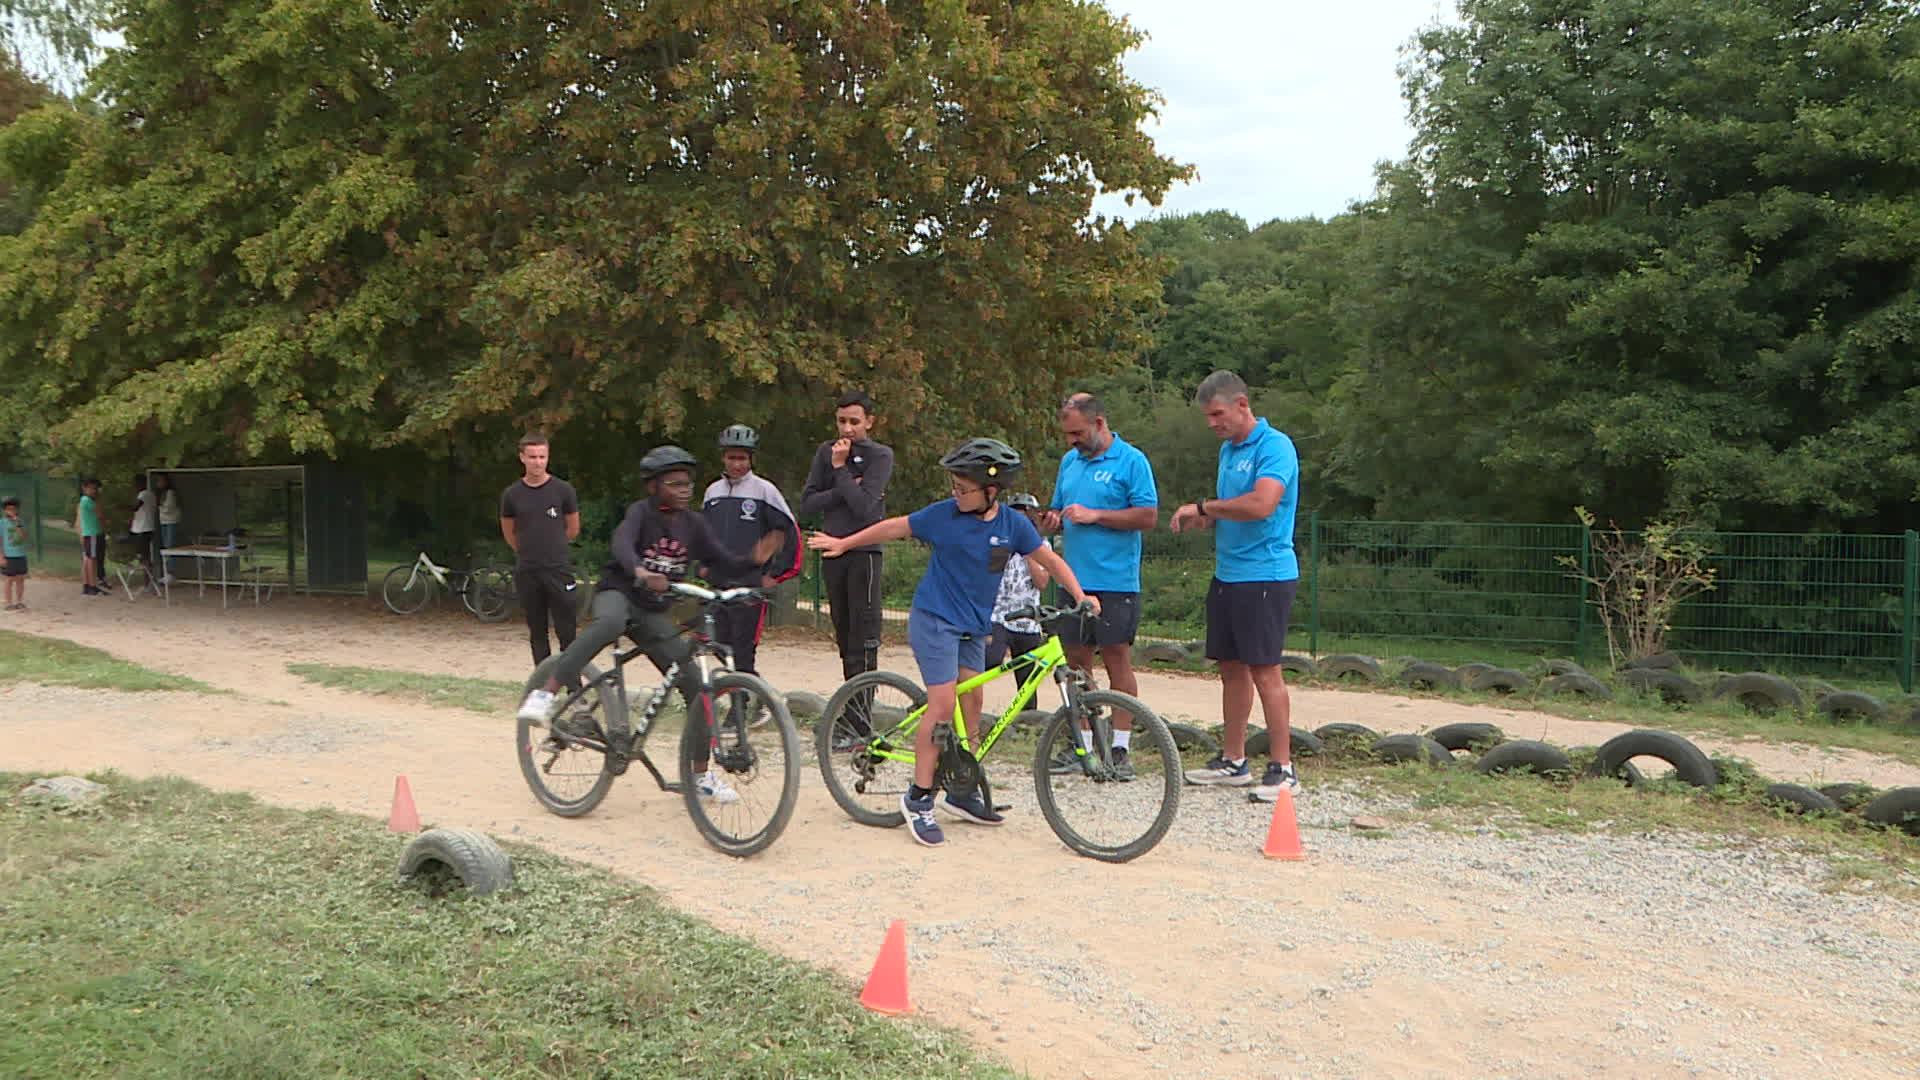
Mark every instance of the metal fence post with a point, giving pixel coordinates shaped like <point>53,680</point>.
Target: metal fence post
<point>1313,583</point>
<point>1907,604</point>
<point>1583,622</point>
<point>818,572</point>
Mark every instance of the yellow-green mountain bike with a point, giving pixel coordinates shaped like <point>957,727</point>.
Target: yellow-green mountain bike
<point>1101,803</point>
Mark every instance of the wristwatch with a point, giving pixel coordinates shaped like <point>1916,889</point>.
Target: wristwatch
<point>1201,507</point>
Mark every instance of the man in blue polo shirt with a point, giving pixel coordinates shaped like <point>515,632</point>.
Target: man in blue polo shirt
<point>1257,489</point>
<point>1104,498</point>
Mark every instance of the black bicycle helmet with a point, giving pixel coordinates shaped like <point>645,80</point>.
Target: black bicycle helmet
<point>1022,501</point>
<point>663,459</point>
<point>740,437</point>
<point>984,461</point>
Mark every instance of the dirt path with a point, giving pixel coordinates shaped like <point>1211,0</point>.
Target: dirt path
<point>1418,953</point>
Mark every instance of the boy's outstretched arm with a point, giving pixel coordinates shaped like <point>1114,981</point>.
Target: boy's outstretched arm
<point>880,532</point>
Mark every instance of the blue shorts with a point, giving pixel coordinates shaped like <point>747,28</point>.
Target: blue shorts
<point>942,649</point>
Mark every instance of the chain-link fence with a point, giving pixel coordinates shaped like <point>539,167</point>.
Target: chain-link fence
<point>1842,604</point>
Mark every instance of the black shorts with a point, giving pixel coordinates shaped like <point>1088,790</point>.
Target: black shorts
<point>1118,622</point>
<point>16,566</point>
<point>1247,620</point>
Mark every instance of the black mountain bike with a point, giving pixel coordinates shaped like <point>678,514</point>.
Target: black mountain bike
<point>735,723</point>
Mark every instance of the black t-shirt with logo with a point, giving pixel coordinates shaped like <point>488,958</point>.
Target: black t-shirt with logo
<point>540,522</point>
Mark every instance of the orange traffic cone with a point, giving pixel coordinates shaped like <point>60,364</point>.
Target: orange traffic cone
<point>1283,835</point>
<point>404,817</point>
<point>886,990</point>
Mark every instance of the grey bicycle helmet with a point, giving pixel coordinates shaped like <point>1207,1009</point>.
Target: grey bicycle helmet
<point>984,461</point>
<point>664,459</point>
<point>1022,501</point>
<point>740,437</point>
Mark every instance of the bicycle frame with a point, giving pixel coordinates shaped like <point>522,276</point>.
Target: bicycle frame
<point>438,573</point>
<point>1048,660</point>
<point>705,654</point>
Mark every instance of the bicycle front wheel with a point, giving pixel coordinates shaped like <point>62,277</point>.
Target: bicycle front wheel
<point>564,760</point>
<point>866,760</point>
<point>1106,806</point>
<point>740,764</point>
<point>405,589</point>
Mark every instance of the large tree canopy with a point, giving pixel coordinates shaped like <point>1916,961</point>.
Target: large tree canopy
<point>320,225</point>
<point>1646,255</point>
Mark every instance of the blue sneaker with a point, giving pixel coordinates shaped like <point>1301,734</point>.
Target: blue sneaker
<point>971,807</point>
<point>920,821</point>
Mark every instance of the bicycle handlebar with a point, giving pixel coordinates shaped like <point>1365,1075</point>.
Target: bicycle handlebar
<point>1043,614</point>
<point>721,596</point>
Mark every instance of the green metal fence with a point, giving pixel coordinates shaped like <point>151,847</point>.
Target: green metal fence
<point>31,490</point>
<point>1824,603</point>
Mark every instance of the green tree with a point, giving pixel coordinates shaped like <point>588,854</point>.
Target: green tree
<point>1652,255</point>
<point>315,226</point>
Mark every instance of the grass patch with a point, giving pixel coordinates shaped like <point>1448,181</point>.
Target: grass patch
<point>56,662</point>
<point>177,932</point>
<point>488,696</point>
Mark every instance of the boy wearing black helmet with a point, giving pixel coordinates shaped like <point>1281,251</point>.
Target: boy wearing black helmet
<point>972,540</point>
<point>653,546</point>
<point>742,508</point>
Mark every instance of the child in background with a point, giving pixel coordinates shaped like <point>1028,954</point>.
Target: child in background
<point>1020,587</point>
<point>93,539</point>
<point>13,547</point>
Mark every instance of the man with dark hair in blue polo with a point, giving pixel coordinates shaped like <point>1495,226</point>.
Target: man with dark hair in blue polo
<point>1103,498</point>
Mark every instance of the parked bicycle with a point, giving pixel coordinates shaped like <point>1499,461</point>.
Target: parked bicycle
<point>1104,808</point>
<point>486,591</point>
<point>753,745</point>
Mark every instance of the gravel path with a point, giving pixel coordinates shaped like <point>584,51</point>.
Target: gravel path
<point>1406,952</point>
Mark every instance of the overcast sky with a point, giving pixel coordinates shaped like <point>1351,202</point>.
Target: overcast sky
<point>1283,106</point>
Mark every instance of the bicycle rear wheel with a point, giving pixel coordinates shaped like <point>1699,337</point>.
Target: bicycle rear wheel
<point>406,589</point>
<point>490,593</point>
<point>1096,808</point>
<point>742,737</point>
<point>565,763</point>
<point>861,718</point>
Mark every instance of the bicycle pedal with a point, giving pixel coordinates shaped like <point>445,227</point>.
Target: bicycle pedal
<point>617,763</point>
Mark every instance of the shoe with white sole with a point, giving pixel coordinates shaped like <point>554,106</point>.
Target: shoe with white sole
<point>538,706</point>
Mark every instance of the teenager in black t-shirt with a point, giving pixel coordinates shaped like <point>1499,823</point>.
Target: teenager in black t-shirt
<point>539,516</point>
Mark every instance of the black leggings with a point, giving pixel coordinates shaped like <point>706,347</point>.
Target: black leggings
<point>657,636</point>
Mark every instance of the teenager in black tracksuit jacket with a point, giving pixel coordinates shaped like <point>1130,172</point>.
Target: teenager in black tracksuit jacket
<point>847,487</point>
<point>740,508</point>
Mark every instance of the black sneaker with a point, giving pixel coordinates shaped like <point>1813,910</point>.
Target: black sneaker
<point>1122,764</point>
<point>1277,778</point>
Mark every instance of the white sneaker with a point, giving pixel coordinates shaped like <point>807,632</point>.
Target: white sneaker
<point>538,705</point>
<point>714,786</point>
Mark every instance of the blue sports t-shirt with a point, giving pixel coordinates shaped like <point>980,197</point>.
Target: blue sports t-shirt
<point>969,555</point>
<point>1257,550</point>
<point>1119,478</point>
<point>13,538</point>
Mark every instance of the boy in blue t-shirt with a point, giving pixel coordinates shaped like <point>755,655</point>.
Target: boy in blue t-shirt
<point>972,539</point>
